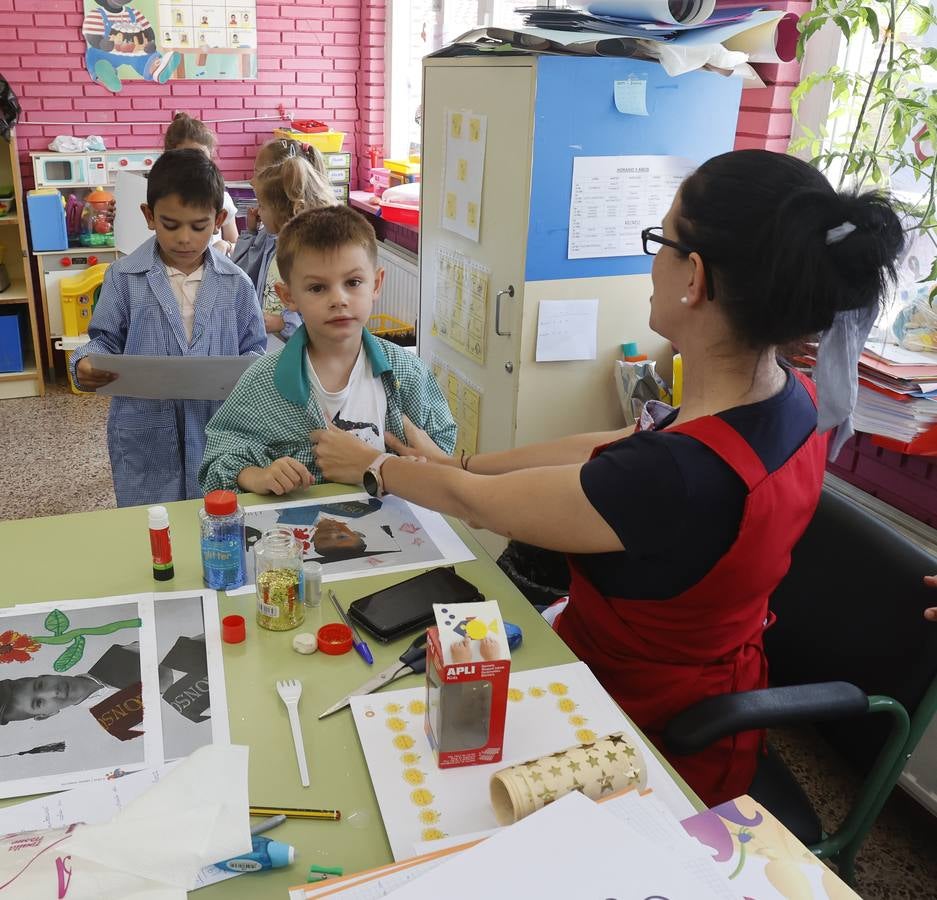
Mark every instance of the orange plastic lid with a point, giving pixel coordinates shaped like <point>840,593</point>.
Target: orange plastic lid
<point>334,638</point>
<point>99,195</point>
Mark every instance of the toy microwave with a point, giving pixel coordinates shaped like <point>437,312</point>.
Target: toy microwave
<point>64,170</point>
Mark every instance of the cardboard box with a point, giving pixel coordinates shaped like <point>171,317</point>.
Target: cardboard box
<point>468,665</point>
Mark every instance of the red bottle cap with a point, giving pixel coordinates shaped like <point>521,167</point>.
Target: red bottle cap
<point>233,630</point>
<point>221,503</point>
<point>334,638</point>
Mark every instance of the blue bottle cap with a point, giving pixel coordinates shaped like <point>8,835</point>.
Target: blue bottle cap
<point>280,854</point>
<point>629,349</point>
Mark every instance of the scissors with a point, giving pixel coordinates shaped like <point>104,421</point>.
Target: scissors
<point>413,659</point>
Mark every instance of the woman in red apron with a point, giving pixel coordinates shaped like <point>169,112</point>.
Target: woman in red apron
<point>677,534</point>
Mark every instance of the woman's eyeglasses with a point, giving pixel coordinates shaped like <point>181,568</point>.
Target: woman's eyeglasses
<point>652,239</point>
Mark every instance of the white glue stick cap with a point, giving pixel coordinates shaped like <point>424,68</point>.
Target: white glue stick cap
<point>158,517</point>
<point>305,643</point>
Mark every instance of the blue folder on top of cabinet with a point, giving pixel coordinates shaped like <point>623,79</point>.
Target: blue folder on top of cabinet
<point>692,116</point>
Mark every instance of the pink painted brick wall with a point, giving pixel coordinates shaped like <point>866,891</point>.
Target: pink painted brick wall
<point>321,59</point>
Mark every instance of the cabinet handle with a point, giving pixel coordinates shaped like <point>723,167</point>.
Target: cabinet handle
<point>510,292</point>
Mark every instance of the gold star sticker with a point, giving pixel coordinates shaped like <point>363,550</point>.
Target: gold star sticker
<point>555,771</point>
<point>536,775</point>
<point>588,746</point>
<point>628,751</point>
<point>547,795</point>
<point>593,761</point>
<point>578,785</point>
<point>617,739</point>
<point>611,757</point>
<point>606,784</point>
<point>574,766</point>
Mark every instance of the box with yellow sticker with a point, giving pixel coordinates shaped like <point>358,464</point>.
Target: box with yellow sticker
<point>468,665</point>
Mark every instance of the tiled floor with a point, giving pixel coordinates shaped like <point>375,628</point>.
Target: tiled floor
<point>53,460</point>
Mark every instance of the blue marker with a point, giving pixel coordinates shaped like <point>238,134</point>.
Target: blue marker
<point>267,854</point>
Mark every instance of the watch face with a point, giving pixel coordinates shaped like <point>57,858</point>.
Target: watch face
<point>370,483</point>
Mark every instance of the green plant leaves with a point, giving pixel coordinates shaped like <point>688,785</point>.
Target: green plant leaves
<point>56,622</point>
<point>71,656</point>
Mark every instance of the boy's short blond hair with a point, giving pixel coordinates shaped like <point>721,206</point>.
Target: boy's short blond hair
<point>324,229</point>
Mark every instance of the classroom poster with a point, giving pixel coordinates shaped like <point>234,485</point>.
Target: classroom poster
<point>464,172</point>
<point>465,399</point>
<point>92,689</point>
<point>460,305</point>
<point>352,535</point>
<point>155,40</point>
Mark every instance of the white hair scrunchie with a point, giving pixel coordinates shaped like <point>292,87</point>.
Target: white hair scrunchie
<point>835,235</point>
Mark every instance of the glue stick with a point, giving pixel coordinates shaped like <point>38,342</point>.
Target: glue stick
<point>160,543</point>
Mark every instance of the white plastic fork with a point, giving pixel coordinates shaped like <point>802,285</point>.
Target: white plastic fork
<point>290,692</point>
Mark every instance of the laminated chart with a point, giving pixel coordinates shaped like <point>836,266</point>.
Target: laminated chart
<point>464,172</point>
<point>460,311</point>
<point>465,400</point>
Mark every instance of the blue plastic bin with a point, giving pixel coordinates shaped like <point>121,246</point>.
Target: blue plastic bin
<point>11,350</point>
<point>46,221</point>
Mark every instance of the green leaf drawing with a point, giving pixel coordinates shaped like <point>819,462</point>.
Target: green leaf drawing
<point>71,656</point>
<point>57,622</point>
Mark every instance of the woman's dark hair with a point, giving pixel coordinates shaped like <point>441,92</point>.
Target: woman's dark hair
<point>191,175</point>
<point>761,222</point>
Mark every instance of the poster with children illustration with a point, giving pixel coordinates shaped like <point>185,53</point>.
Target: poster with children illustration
<point>90,689</point>
<point>352,535</point>
<point>155,40</point>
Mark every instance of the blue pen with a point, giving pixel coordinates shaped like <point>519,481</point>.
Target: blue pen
<point>364,651</point>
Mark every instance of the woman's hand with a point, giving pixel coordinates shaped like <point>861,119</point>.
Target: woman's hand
<point>253,218</point>
<point>340,455</point>
<point>419,443</point>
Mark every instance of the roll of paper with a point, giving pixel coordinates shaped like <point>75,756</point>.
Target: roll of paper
<point>669,12</point>
<point>602,768</point>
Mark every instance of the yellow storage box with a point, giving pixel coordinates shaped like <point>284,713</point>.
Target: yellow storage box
<point>323,141</point>
<point>79,294</point>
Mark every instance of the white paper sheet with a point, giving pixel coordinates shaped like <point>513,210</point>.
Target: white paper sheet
<point>130,228</point>
<point>171,377</point>
<point>571,848</point>
<point>464,177</point>
<point>615,197</point>
<point>655,10</point>
<point>550,709</point>
<point>631,96</point>
<point>419,538</point>
<point>567,329</point>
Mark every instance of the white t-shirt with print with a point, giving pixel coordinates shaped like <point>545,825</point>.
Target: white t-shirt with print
<point>360,407</point>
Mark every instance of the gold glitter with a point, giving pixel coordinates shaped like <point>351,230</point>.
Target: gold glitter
<point>393,708</point>
<point>395,723</point>
<point>536,691</point>
<point>585,735</point>
<point>416,707</point>
<point>278,589</point>
<point>566,705</point>
<point>557,688</point>
<point>429,816</point>
<point>515,695</point>
<point>432,834</point>
<point>578,721</point>
<point>421,797</point>
<point>410,759</point>
<point>413,777</point>
<point>403,742</point>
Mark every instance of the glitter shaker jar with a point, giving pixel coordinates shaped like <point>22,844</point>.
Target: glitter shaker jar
<point>221,524</point>
<point>279,568</point>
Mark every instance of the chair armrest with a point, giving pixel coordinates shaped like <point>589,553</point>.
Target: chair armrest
<point>700,725</point>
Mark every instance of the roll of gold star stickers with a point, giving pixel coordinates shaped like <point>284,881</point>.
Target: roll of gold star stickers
<point>598,769</point>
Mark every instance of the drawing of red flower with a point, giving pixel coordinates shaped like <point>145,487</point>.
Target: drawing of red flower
<point>16,647</point>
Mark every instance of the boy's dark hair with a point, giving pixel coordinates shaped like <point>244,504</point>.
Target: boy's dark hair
<point>184,129</point>
<point>760,221</point>
<point>189,174</point>
<point>324,229</point>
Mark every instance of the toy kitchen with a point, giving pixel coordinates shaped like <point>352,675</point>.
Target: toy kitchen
<point>75,224</point>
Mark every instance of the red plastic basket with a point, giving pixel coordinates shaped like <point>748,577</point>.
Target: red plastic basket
<point>401,215</point>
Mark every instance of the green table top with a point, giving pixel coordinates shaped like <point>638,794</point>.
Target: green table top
<point>105,553</point>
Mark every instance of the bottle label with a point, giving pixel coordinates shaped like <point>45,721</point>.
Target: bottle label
<point>268,609</point>
<point>161,548</point>
<point>222,554</point>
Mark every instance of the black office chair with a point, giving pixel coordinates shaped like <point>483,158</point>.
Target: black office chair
<point>851,653</point>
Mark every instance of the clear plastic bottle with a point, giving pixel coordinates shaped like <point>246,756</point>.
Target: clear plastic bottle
<point>222,530</point>
<point>278,560</point>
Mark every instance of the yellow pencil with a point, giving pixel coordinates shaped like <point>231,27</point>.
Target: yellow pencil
<point>332,815</point>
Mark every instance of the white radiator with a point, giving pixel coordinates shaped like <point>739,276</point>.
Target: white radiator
<point>400,296</point>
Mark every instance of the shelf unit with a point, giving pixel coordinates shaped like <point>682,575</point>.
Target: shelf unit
<point>19,295</point>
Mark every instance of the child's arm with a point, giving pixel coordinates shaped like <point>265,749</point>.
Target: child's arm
<point>107,332</point>
<point>291,321</point>
<point>252,335</point>
<point>423,402</point>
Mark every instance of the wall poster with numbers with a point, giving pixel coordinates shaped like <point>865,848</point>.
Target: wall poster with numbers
<point>155,40</point>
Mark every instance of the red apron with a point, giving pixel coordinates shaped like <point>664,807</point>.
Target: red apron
<point>656,657</point>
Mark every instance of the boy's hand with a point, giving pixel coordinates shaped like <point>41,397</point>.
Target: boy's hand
<point>419,443</point>
<point>340,455</point>
<point>223,247</point>
<point>274,323</point>
<point>489,647</point>
<point>280,477</point>
<point>461,651</point>
<point>89,378</point>
<point>253,218</point>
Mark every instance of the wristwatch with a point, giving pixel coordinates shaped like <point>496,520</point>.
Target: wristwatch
<point>372,481</point>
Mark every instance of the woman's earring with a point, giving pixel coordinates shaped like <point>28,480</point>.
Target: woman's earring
<point>684,300</point>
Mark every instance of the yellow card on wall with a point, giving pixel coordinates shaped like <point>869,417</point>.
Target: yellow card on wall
<point>457,125</point>
<point>450,206</point>
<point>471,214</point>
<point>475,129</point>
<point>462,170</point>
